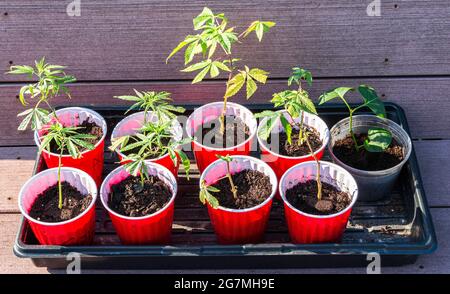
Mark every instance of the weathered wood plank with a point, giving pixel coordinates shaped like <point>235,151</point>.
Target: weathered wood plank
<point>434,162</point>
<point>9,224</point>
<point>438,262</point>
<point>413,94</point>
<point>16,166</point>
<point>123,40</point>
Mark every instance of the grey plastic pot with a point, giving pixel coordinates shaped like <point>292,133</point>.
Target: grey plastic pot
<point>372,185</point>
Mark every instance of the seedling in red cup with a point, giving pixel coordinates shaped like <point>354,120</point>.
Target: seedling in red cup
<point>238,192</point>
<point>154,139</point>
<point>371,147</point>
<point>58,202</point>
<point>308,219</point>
<point>51,81</point>
<point>214,34</point>
<point>297,108</point>
<point>141,212</point>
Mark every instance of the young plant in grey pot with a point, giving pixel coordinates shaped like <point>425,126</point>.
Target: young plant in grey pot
<point>372,148</point>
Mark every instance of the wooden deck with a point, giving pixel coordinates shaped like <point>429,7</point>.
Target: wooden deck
<point>118,45</point>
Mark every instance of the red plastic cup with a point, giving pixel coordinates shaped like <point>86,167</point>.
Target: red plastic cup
<point>77,231</point>
<point>132,123</point>
<point>239,226</point>
<point>307,228</point>
<point>91,161</point>
<point>281,163</point>
<point>155,228</point>
<point>204,155</point>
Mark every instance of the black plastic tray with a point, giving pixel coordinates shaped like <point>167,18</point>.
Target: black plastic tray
<point>399,228</point>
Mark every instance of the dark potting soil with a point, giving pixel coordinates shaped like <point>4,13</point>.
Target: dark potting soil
<point>345,150</point>
<point>86,127</point>
<point>303,196</point>
<point>295,149</point>
<point>131,198</point>
<point>46,209</point>
<point>236,132</point>
<point>253,188</point>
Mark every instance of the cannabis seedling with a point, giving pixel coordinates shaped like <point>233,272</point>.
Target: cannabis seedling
<point>65,138</point>
<point>205,190</point>
<point>158,102</point>
<point>51,81</point>
<point>151,139</point>
<point>295,103</point>
<point>378,139</point>
<point>214,33</point>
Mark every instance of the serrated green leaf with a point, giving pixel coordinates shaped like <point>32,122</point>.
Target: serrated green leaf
<point>83,144</point>
<point>266,128</point>
<point>21,95</point>
<point>298,74</point>
<point>212,189</point>
<point>127,98</point>
<point>213,201</point>
<point>225,43</point>
<point>73,150</point>
<point>197,66</point>
<point>251,87</point>
<point>222,66</point>
<point>212,49</point>
<point>259,75</point>
<point>199,77</point>
<point>23,125</point>
<point>214,71</point>
<point>287,128</point>
<point>234,85</point>
<point>265,113</point>
<point>185,162</point>
<point>190,52</point>
<point>259,31</point>
<point>205,17</point>
<point>306,103</point>
<point>202,196</point>
<point>180,46</point>
<point>23,113</point>
<point>260,27</point>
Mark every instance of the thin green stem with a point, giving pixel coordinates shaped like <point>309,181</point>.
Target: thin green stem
<point>230,179</point>
<point>351,111</point>
<point>318,180</point>
<point>60,200</point>
<point>224,110</point>
<point>141,174</point>
<point>300,133</point>
<point>351,131</point>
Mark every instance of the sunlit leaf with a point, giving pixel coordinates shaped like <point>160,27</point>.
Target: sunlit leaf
<point>378,140</point>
